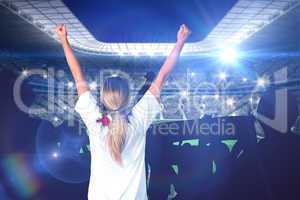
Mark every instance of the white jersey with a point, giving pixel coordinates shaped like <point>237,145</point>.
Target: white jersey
<point>108,180</point>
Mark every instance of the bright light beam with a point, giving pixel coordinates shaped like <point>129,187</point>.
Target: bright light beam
<point>55,155</point>
<point>262,82</point>
<point>222,76</point>
<point>25,72</point>
<point>230,102</point>
<point>93,85</point>
<point>70,84</point>
<point>184,93</point>
<point>228,55</point>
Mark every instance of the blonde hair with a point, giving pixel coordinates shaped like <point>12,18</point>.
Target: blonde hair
<point>115,97</point>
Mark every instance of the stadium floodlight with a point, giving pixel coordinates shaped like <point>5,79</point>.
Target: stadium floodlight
<point>93,85</point>
<point>56,119</point>
<point>262,82</point>
<point>216,96</point>
<point>230,102</point>
<point>222,76</point>
<point>54,154</point>
<point>45,76</point>
<point>229,55</point>
<point>251,100</point>
<point>184,93</point>
<point>25,72</point>
<point>70,84</point>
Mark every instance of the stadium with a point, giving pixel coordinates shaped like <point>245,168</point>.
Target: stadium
<point>228,126</point>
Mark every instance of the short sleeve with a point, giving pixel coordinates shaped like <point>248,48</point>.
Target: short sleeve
<point>86,106</point>
<point>145,111</point>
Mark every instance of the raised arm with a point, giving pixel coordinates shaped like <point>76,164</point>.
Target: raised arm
<point>170,62</point>
<point>73,63</point>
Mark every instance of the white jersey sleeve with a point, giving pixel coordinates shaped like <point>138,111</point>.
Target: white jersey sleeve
<point>86,106</point>
<point>145,111</point>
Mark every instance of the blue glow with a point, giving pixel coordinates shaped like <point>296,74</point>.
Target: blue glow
<point>229,55</point>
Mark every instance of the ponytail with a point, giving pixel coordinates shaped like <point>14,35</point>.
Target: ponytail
<point>115,97</point>
<point>116,135</point>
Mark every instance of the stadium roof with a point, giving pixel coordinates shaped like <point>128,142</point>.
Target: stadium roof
<point>245,19</point>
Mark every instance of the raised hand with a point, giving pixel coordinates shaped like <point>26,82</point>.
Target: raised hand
<point>170,62</point>
<point>61,32</point>
<point>183,33</point>
<point>73,63</point>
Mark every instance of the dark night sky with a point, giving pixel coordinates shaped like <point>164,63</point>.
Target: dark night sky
<point>148,21</point>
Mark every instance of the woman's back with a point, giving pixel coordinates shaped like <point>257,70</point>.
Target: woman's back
<point>110,180</point>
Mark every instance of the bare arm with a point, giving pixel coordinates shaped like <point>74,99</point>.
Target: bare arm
<point>170,62</point>
<point>73,63</point>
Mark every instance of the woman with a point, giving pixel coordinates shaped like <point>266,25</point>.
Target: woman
<point>117,142</point>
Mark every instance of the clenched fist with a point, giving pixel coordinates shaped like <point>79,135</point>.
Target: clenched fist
<point>61,32</point>
<point>183,33</point>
